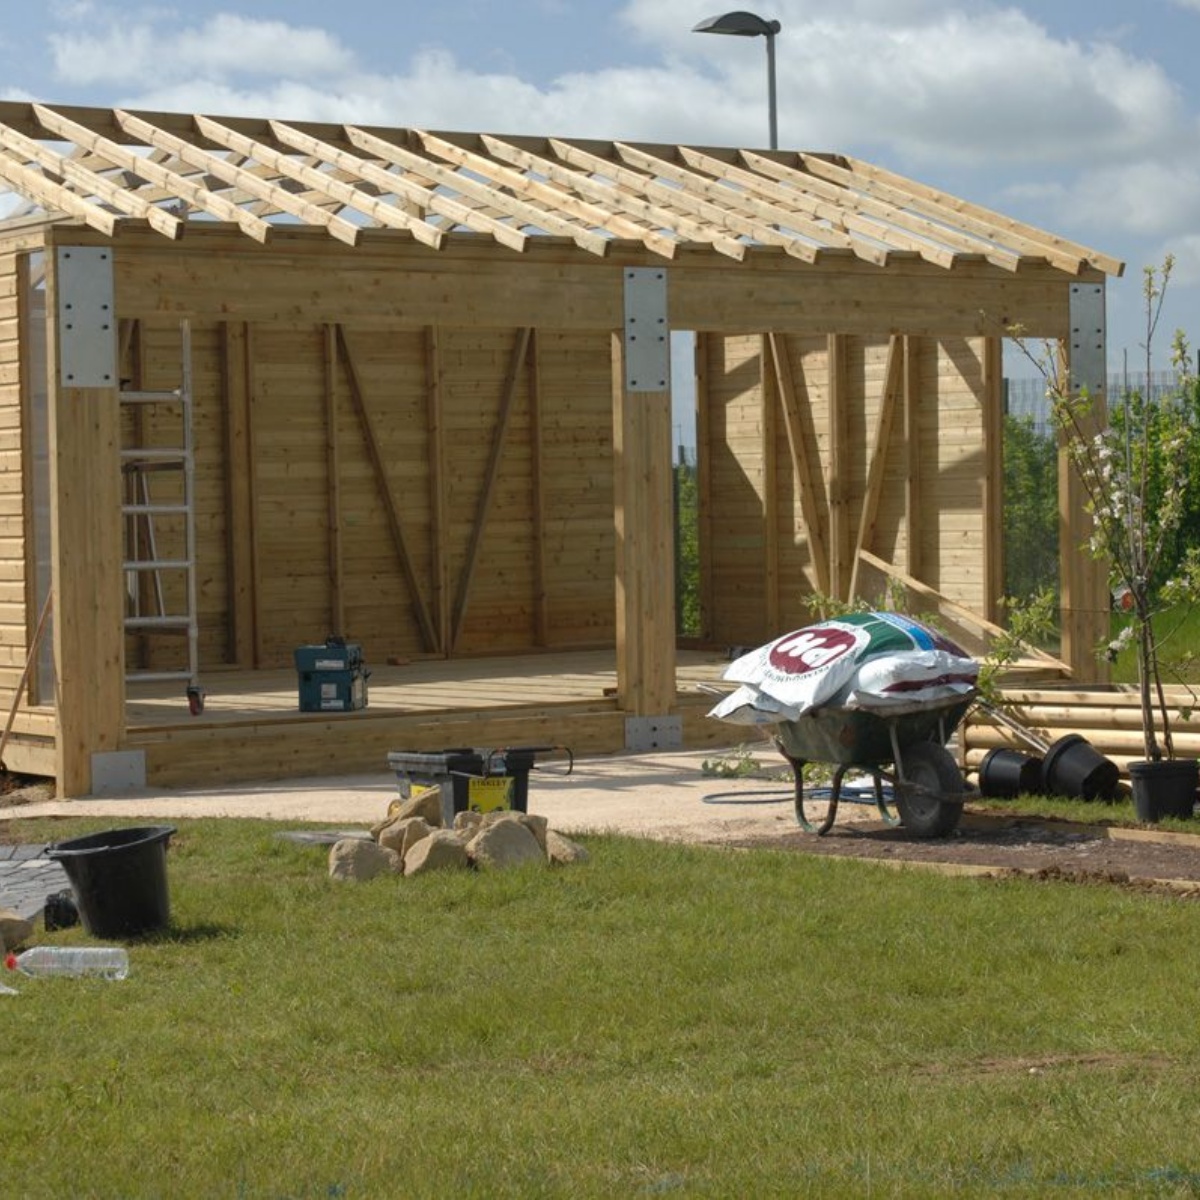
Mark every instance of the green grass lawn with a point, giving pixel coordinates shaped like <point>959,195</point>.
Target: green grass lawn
<point>1180,630</point>
<point>665,1020</point>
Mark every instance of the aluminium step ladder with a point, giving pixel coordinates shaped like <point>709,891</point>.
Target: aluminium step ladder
<point>146,561</point>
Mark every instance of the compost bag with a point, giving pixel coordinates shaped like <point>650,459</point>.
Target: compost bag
<point>871,660</point>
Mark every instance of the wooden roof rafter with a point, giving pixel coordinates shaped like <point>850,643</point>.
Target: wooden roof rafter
<point>68,172</point>
<point>983,222</point>
<point>389,181</point>
<point>621,201</point>
<point>446,176</point>
<point>821,222</point>
<point>148,167</point>
<point>549,192</point>
<point>106,167</point>
<point>238,177</point>
<point>666,203</point>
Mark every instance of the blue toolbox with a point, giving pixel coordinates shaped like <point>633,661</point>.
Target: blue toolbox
<point>331,677</point>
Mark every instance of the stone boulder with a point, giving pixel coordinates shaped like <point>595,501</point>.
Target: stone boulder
<point>424,802</point>
<point>440,850</point>
<point>504,843</point>
<point>403,833</point>
<point>537,825</point>
<point>15,930</point>
<point>359,859</point>
<point>562,852</point>
<point>468,822</point>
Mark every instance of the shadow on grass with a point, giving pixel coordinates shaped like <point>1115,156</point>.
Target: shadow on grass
<point>201,931</point>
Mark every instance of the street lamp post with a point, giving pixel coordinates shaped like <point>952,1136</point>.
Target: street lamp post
<point>747,24</point>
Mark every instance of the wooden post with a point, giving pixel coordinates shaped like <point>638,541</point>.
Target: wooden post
<point>839,461</point>
<point>992,484</point>
<point>913,492</point>
<point>704,485</point>
<point>769,482</point>
<point>645,583</point>
<point>240,540</point>
<point>337,605</point>
<point>85,517</point>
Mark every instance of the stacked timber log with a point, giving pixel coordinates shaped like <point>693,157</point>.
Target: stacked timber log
<point>1110,718</point>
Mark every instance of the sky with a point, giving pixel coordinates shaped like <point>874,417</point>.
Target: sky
<point>1078,116</point>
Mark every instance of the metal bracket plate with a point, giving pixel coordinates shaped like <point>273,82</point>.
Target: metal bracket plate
<point>653,733</point>
<point>1088,358</point>
<point>118,771</point>
<point>647,335</point>
<point>87,328</point>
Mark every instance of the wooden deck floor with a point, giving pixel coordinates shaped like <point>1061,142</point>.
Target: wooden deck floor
<point>252,728</point>
<point>426,686</point>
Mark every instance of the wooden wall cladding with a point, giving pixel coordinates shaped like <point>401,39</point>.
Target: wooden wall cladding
<point>793,425</point>
<point>13,635</point>
<point>421,491</point>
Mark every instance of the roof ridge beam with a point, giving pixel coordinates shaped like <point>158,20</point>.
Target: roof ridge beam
<point>321,184</point>
<point>506,176</point>
<point>678,213</point>
<point>237,177</point>
<point>444,176</point>
<point>74,172</point>
<point>145,167</point>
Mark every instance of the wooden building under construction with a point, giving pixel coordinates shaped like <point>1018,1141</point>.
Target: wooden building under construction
<point>265,381</point>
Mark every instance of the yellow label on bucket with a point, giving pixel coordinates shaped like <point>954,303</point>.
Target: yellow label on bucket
<point>486,795</point>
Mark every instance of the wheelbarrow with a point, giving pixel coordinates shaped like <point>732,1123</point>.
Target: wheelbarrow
<point>928,787</point>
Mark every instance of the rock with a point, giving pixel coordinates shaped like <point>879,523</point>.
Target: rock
<point>504,844</point>
<point>537,825</point>
<point>403,833</point>
<point>424,802</point>
<point>15,930</point>
<point>358,859</point>
<point>468,822</point>
<point>440,850</point>
<point>562,851</point>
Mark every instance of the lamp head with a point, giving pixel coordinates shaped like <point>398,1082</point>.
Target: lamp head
<point>738,24</point>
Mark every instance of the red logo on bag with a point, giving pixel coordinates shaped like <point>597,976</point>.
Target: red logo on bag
<point>810,649</point>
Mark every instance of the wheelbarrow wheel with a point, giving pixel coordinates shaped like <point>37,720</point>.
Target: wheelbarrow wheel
<point>930,776</point>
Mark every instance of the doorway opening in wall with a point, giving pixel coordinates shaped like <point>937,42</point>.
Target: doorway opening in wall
<point>1030,494</point>
<point>685,474</point>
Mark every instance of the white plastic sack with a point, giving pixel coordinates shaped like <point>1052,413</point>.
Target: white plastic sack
<point>873,660</point>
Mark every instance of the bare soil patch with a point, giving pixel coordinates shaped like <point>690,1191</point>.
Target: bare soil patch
<point>1040,849</point>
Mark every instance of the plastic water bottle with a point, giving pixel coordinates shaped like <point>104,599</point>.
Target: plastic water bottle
<point>108,962</point>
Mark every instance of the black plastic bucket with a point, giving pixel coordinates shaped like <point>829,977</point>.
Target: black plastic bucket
<point>119,878</point>
<point>1008,773</point>
<point>1164,789</point>
<point>1074,767</point>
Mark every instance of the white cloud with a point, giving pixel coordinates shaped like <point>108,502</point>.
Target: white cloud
<point>224,46</point>
<point>1144,197</point>
<point>1194,5</point>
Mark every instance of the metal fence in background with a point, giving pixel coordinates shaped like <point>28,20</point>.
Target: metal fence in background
<point>1027,397</point>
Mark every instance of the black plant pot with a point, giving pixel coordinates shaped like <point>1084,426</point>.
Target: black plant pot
<point>1164,789</point>
<point>1074,767</point>
<point>1007,773</point>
